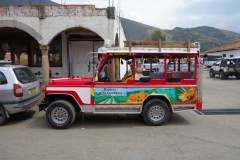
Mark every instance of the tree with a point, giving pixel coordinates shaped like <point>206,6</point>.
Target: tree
<point>156,35</point>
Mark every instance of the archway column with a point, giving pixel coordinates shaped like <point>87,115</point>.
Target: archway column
<point>45,64</point>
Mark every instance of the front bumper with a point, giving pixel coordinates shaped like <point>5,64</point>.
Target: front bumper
<point>43,105</point>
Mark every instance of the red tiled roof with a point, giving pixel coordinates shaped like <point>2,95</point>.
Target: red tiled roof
<point>229,46</point>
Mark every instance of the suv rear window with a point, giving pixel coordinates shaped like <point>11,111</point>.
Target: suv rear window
<point>24,75</point>
<point>3,79</point>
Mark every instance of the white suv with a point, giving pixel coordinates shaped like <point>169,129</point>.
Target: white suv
<point>226,67</point>
<point>19,90</point>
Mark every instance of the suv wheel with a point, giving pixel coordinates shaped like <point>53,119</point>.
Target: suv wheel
<point>238,76</point>
<point>221,75</point>
<point>211,73</point>
<point>3,117</point>
<point>156,112</point>
<point>61,114</point>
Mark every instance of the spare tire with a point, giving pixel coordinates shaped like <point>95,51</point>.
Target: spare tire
<point>237,67</point>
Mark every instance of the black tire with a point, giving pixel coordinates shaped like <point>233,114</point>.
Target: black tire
<point>238,76</point>
<point>221,75</point>
<point>60,114</point>
<point>3,116</point>
<point>211,73</point>
<point>158,106</point>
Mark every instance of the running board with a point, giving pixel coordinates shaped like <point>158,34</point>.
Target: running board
<point>185,107</point>
<point>117,109</point>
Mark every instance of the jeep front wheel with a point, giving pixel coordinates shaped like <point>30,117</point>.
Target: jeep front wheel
<point>60,114</point>
<point>211,73</point>
<point>156,112</point>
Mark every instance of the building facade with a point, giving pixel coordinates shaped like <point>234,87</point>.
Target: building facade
<point>226,51</point>
<point>54,40</point>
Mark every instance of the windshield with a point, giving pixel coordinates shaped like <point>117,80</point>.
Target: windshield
<point>24,75</point>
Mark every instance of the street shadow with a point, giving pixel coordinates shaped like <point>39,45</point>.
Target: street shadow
<point>93,121</point>
<point>178,119</point>
<point>20,117</point>
<point>109,121</point>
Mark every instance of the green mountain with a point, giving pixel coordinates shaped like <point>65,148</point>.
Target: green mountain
<point>133,29</point>
<point>209,37</point>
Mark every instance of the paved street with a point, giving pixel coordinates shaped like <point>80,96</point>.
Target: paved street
<point>186,136</point>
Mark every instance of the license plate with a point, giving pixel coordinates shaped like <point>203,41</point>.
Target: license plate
<point>33,91</point>
<point>231,69</point>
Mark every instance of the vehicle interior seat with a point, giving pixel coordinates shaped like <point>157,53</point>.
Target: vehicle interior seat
<point>177,76</point>
<point>152,76</point>
<point>127,76</point>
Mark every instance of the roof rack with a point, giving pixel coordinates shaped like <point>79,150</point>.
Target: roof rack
<point>154,47</point>
<point>159,44</point>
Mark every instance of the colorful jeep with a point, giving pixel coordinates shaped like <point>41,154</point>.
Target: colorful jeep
<point>174,87</point>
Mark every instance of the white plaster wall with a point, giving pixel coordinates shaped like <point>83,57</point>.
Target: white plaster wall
<point>235,53</point>
<point>52,26</point>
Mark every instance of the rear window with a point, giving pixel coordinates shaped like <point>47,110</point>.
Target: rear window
<point>24,75</point>
<point>3,79</point>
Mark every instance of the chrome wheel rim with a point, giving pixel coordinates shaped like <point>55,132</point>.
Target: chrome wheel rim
<point>156,113</point>
<point>59,115</point>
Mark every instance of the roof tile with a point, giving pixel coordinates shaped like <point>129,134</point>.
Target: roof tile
<point>229,46</point>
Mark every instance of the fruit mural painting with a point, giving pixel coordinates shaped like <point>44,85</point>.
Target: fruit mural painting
<point>137,95</point>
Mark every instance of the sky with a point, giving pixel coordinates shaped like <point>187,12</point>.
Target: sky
<point>168,14</point>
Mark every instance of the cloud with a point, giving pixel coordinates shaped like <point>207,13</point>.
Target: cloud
<point>165,14</point>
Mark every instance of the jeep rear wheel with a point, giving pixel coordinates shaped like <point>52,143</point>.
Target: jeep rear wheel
<point>211,73</point>
<point>156,112</point>
<point>238,76</point>
<point>221,75</point>
<point>60,114</point>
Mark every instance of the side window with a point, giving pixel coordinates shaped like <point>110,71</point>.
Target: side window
<point>149,69</point>
<point>179,68</point>
<point>3,79</point>
<point>109,74</point>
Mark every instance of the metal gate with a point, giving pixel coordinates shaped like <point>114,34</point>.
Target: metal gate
<point>78,51</point>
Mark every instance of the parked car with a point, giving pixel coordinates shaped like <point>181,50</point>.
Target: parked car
<point>226,67</point>
<point>19,90</point>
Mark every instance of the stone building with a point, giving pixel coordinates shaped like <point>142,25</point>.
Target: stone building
<point>53,40</point>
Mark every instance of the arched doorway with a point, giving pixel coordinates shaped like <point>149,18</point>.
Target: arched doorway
<point>17,45</point>
<point>76,44</point>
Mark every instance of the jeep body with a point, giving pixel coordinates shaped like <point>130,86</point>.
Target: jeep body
<point>226,67</point>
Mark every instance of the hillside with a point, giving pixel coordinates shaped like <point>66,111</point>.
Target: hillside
<point>6,3</point>
<point>133,29</point>
<point>209,37</point>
